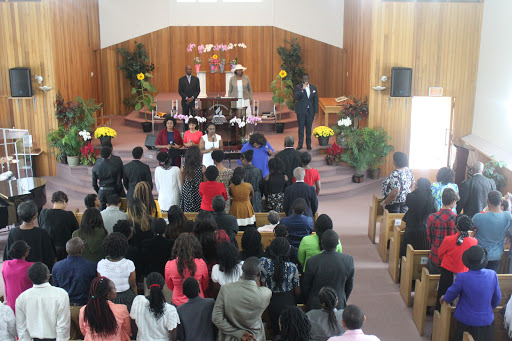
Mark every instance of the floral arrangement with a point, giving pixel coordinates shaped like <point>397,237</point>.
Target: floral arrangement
<point>334,153</point>
<point>323,131</point>
<point>197,61</point>
<point>240,122</point>
<point>282,90</point>
<point>143,92</point>
<point>253,120</point>
<point>85,135</point>
<point>211,47</point>
<point>89,155</point>
<point>200,119</point>
<point>104,131</point>
<point>186,118</point>
<point>354,108</point>
<point>344,124</point>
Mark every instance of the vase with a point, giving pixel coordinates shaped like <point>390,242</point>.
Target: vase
<point>279,128</point>
<point>373,173</point>
<point>221,68</point>
<point>105,139</point>
<point>146,127</point>
<point>341,141</point>
<point>73,161</point>
<point>213,68</point>
<point>358,178</point>
<point>198,67</point>
<point>323,140</point>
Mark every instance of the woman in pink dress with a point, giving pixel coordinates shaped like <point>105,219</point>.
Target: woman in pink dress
<point>14,272</point>
<point>192,136</point>
<point>101,319</point>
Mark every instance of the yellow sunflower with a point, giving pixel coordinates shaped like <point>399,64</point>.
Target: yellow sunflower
<point>282,74</point>
<point>215,56</point>
<point>140,76</point>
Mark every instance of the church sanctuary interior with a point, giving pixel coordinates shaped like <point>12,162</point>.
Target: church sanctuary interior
<point>381,106</point>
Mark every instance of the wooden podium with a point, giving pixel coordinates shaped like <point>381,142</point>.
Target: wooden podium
<point>220,110</point>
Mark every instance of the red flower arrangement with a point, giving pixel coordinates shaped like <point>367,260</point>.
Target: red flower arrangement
<point>334,154</point>
<point>88,154</point>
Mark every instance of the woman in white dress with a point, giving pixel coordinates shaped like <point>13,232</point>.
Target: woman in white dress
<point>167,181</point>
<point>156,319</point>
<point>210,142</point>
<point>229,267</point>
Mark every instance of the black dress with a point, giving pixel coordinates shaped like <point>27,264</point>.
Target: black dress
<point>41,245</point>
<point>274,191</point>
<point>255,178</point>
<point>420,207</point>
<point>190,197</point>
<point>60,225</point>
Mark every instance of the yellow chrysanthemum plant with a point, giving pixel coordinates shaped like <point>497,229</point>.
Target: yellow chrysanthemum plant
<point>282,90</point>
<point>323,131</point>
<point>105,132</point>
<point>144,92</point>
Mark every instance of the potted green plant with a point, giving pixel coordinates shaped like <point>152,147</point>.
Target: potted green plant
<point>323,133</point>
<point>293,65</point>
<point>358,152</point>
<point>378,140</point>
<point>72,145</point>
<point>354,108</point>
<point>491,171</point>
<point>55,142</point>
<point>105,134</point>
<point>144,98</point>
<point>282,90</point>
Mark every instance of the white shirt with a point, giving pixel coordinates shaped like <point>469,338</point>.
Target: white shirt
<point>207,157</point>
<point>354,335</point>
<point>118,272</point>
<point>7,323</point>
<point>267,228</point>
<point>43,312</point>
<point>221,278</point>
<point>151,329</point>
<point>111,215</point>
<point>168,185</point>
<point>307,90</point>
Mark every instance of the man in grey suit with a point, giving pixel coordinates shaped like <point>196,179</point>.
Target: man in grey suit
<point>328,269</point>
<point>474,191</point>
<point>306,108</point>
<point>239,305</point>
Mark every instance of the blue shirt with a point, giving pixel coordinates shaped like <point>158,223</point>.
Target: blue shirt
<point>437,192</point>
<point>491,231</point>
<point>170,137</point>
<point>479,292</point>
<point>299,226</point>
<point>259,158</point>
<point>74,274</point>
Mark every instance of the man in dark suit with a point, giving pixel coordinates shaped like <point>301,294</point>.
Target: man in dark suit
<point>106,176</point>
<point>136,171</point>
<point>188,88</point>
<point>118,162</point>
<point>474,191</point>
<point>290,157</point>
<point>328,269</point>
<point>300,190</point>
<point>298,224</point>
<point>306,107</point>
<point>226,222</point>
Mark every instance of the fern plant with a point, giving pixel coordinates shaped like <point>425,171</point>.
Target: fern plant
<point>359,149</point>
<point>293,64</point>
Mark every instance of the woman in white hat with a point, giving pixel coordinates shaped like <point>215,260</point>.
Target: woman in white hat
<point>240,87</point>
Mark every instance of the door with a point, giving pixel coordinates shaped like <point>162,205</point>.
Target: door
<point>431,119</point>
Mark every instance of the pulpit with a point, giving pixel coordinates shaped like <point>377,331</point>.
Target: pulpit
<point>220,110</point>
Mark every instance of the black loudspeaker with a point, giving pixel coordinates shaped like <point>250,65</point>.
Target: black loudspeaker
<point>20,82</point>
<point>150,141</point>
<point>401,80</point>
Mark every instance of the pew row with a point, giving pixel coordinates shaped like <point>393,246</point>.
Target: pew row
<point>389,221</point>
<point>375,216</point>
<point>412,265</point>
<point>425,295</point>
<point>395,243</point>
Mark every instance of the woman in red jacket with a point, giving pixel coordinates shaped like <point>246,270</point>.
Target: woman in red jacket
<point>168,139</point>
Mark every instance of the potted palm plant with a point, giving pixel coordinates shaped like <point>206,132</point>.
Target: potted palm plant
<point>378,140</point>
<point>282,90</point>
<point>358,152</point>
<point>144,98</point>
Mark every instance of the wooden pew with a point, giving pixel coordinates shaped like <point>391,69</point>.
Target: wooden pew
<point>375,216</point>
<point>445,324</point>
<point>78,216</point>
<point>389,220</point>
<point>395,244</point>
<point>124,205</point>
<point>266,239</point>
<point>261,217</point>
<point>425,295</point>
<point>505,262</point>
<point>412,265</point>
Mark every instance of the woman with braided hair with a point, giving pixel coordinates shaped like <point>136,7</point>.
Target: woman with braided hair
<point>326,322</point>
<point>187,261</point>
<point>156,319</point>
<point>450,253</point>
<point>295,325</point>
<point>101,319</point>
<point>282,277</point>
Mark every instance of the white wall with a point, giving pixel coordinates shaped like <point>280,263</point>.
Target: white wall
<point>121,20</point>
<point>493,103</point>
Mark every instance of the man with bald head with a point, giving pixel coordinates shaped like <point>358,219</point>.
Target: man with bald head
<point>239,305</point>
<point>189,89</point>
<point>474,191</point>
<point>74,274</point>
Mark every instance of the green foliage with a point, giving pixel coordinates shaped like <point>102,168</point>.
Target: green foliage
<point>79,113</point>
<point>282,90</point>
<point>144,95</point>
<point>293,64</point>
<point>491,171</point>
<point>378,140</point>
<point>358,152</point>
<point>55,141</point>
<point>71,142</point>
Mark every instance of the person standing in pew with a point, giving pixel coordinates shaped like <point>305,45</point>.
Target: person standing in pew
<point>450,255</point>
<point>353,320</point>
<point>397,185</point>
<point>479,293</point>
<point>299,225</point>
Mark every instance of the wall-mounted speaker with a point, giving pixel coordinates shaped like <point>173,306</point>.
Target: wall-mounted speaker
<point>401,80</point>
<point>20,82</point>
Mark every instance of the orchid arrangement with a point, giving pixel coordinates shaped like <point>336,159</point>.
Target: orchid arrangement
<point>344,125</point>
<point>85,135</point>
<point>235,120</point>
<point>253,120</point>
<point>217,47</point>
<point>186,118</point>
